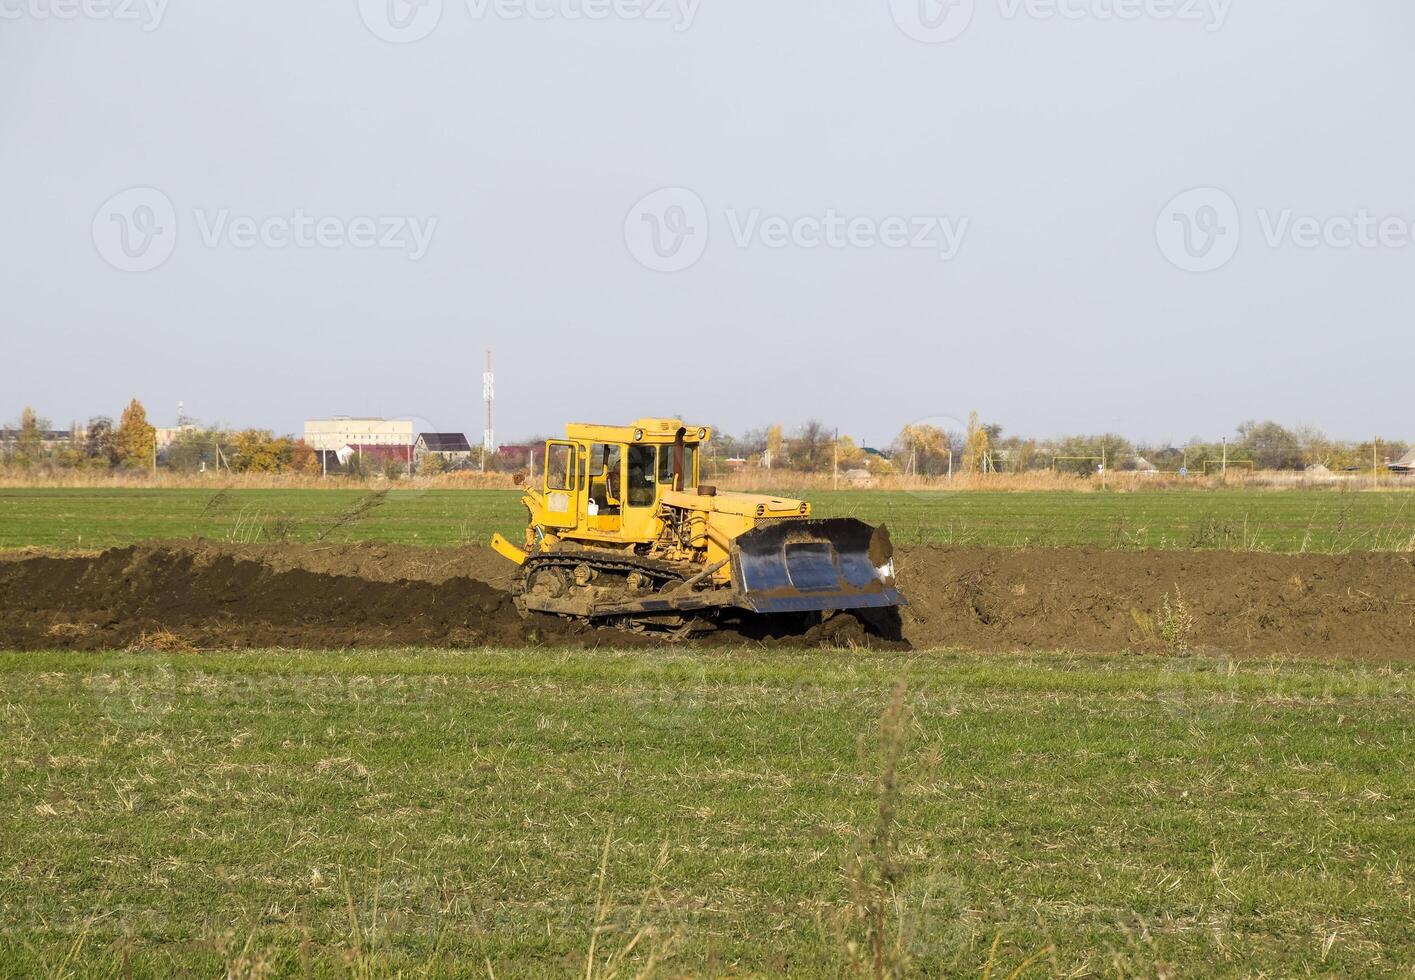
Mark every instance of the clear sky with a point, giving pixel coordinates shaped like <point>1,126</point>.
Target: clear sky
<point>1153,216</point>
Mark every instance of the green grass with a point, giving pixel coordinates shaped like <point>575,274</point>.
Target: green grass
<point>337,813</point>
<point>1236,519</point>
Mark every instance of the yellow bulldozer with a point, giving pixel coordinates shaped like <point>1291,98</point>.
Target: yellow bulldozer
<point>622,532</point>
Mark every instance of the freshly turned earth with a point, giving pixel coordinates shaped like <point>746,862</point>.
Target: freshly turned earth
<point>203,595</point>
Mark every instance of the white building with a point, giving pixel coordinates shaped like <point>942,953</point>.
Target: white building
<point>343,430</point>
<point>166,436</point>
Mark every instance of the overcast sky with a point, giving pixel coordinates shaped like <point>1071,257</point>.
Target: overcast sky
<point>1159,217</point>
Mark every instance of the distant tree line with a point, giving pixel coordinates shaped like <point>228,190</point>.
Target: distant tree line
<point>920,449</point>
<point>930,450</point>
<point>131,445</point>
<point>100,445</point>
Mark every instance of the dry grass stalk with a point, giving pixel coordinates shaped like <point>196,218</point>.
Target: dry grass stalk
<point>657,944</point>
<point>872,867</point>
<point>160,641</point>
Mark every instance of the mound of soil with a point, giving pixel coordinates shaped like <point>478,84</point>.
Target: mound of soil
<point>372,560</point>
<point>203,594</point>
<point>174,597</point>
<point>1097,600</point>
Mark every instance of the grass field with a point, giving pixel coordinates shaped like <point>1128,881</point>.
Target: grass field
<point>267,812</point>
<point>723,811</point>
<point>1239,519</point>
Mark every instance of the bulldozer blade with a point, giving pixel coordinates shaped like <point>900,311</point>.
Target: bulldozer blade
<point>806,565</point>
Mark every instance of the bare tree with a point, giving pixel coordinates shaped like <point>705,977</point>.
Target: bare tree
<point>810,449</point>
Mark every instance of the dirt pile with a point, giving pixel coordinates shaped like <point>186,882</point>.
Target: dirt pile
<point>373,560</point>
<point>202,594</point>
<point>173,597</point>
<point>205,595</point>
<point>1098,600</point>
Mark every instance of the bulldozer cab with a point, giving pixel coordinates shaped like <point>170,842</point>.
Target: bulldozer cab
<point>606,482</point>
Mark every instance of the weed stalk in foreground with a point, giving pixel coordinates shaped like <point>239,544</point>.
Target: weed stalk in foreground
<point>361,509</point>
<point>872,868</point>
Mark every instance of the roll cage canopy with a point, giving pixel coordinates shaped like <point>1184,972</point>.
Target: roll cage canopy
<point>652,431</point>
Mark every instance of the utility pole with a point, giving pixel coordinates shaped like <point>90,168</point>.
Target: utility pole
<point>1225,457</point>
<point>488,394</point>
<point>1375,463</point>
<point>835,462</point>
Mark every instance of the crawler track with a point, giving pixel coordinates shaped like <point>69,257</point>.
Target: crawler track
<point>619,590</point>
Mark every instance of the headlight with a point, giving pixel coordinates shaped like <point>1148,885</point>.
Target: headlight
<point>638,435</point>
<point>702,433</point>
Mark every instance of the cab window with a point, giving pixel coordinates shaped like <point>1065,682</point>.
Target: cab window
<point>640,482</point>
<point>558,460</point>
<point>665,465</point>
<point>605,489</point>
